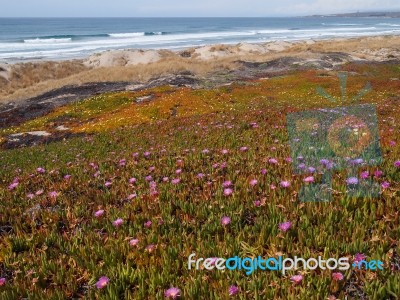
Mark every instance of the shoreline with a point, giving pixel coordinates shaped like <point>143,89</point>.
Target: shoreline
<point>21,81</point>
<point>177,49</point>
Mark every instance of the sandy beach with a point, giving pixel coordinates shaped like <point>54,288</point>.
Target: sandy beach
<point>21,81</point>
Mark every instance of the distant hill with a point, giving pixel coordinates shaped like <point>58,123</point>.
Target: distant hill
<point>364,15</point>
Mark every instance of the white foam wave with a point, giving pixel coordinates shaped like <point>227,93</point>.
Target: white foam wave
<point>126,35</point>
<point>47,41</point>
<point>340,24</point>
<point>389,24</point>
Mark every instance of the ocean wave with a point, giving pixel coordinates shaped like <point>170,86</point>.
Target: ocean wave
<point>135,34</point>
<point>47,40</point>
<point>341,24</point>
<point>389,24</point>
<point>126,35</point>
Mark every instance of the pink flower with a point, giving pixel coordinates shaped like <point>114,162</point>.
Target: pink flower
<point>392,143</point>
<point>213,260</point>
<point>53,194</point>
<point>200,175</point>
<point>40,170</point>
<point>273,161</point>
<point>337,276</point>
<point>30,196</point>
<point>118,222</point>
<point>378,173</point>
<point>2,281</point>
<point>272,187</point>
<point>311,169</point>
<point>122,162</point>
<point>296,278</point>
<point>227,184</point>
<point>225,151</point>
<point>179,171</point>
<point>228,191</point>
<point>233,290</point>
<point>352,181</point>
<point>39,192</point>
<point>385,185</point>
<point>13,185</point>
<point>67,177</point>
<point>108,184</point>
<point>244,149</point>
<point>205,151</point>
<point>148,224</point>
<point>285,226</point>
<point>132,196</point>
<point>133,242</point>
<point>324,162</point>
<point>99,213</point>
<point>254,125</point>
<point>285,184</point>
<point>359,257</point>
<point>150,248</point>
<point>165,179</point>
<point>309,179</point>
<point>172,293</point>
<point>364,175</point>
<point>225,221</point>
<point>264,171</point>
<point>146,154</point>
<point>175,181</point>
<point>102,283</point>
<point>253,182</point>
<point>257,203</point>
<point>132,180</point>
<point>397,164</point>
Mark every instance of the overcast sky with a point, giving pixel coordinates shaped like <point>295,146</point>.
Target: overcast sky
<point>187,8</point>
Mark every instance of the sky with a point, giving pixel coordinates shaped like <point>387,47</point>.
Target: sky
<point>187,8</point>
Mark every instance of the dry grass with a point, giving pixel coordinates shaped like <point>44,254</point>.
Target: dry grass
<point>31,79</point>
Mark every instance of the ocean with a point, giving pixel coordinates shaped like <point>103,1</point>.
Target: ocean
<point>27,39</point>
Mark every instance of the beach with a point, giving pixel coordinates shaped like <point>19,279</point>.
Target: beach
<point>20,81</point>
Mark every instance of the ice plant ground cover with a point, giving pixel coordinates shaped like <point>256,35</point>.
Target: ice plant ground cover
<point>115,214</point>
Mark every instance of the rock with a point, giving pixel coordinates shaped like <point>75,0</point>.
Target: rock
<point>62,128</point>
<point>144,99</point>
<point>5,71</point>
<point>35,133</point>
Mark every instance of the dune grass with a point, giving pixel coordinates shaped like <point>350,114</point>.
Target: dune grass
<point>54,247</point>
